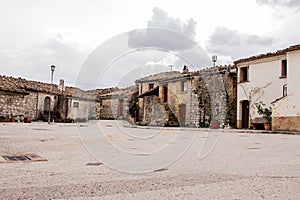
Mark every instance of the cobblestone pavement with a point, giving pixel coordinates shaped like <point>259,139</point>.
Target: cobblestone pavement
<point>240,166</point>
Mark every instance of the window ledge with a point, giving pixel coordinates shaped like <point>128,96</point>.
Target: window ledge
<point>282,77</point>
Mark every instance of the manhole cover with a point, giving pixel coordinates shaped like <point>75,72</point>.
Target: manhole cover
<point>21,158</point>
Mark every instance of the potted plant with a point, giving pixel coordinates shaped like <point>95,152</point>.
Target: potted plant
<point>5,119</point>
<point>27,120</point>
<point>266,113</point>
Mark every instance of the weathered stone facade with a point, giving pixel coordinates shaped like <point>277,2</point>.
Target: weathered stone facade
<point>116,103</point>
<point>216,89</point>
<point>189,98</point>
<point>20,97</point>
<point>166,99</point>
<point>17,104</point>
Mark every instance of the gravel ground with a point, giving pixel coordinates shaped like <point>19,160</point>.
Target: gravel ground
<point>240,166</point>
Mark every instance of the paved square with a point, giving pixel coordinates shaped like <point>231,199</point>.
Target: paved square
<point>240,166</point>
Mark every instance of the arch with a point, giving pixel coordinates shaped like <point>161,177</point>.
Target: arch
<point>47,104</point>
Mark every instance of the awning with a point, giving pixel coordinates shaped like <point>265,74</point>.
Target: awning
<point>150,92</point>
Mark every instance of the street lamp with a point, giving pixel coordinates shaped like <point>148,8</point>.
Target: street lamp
<point>52,72</point>
<point>214,59</point>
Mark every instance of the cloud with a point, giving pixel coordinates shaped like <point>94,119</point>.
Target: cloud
<point>227,42</point>
<point>34,62</point>
<point>164,32</point>
<point>161,19</point>
<point>278,3</point>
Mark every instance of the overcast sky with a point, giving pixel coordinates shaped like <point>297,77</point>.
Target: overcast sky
<point>37,33</point>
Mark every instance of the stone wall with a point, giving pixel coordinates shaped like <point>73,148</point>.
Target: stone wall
<point>18,104</point>
<point>109,108</point>
<point>12,104</point>
<point>216,91</point>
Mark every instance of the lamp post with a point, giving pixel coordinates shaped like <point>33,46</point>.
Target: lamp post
<point>214,59</point>
<point>52,72</point>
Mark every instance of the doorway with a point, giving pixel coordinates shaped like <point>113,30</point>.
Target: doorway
<point>182,112</point>
<point>245,114</point>
<point>121,108</point>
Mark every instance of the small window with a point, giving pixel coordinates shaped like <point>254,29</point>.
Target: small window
<point>283,68</point>
<point>244,74</point>
<point>151,86</point>
<point>75,104</point>
<point>183,86</point>
<point>284,89</point>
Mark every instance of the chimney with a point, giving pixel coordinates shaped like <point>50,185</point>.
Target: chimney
<point>61,85</point>
<point>185,69</point>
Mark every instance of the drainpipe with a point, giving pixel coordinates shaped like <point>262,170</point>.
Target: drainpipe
<point>37,106</point>
<point>191,95</point>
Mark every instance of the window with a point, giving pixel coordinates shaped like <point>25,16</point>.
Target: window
<point>151,86</point>
<point>183,86</point>
<point>284,89</point>
<point>75,104</point>
<point>244,74</point>
<point>283,68</point>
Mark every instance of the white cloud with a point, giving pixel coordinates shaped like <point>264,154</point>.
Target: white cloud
<point>164,32</point>
<point>237,45</point>
<point>276,3</point>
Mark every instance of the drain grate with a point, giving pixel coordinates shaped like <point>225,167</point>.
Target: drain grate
<point>21,158</point>
<point>16,158</point>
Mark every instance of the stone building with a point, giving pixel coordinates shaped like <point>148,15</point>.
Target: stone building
<point>216,91</point>
<point>118,103</point>
<point>21,98</point>
<point>188,98</point>
<point>166,99</point>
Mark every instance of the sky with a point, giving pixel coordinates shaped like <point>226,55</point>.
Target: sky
<point>97,43</point>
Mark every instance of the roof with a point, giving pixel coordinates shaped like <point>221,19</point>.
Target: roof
<point>162,76</point>
<point>118,93</point>
<point>270,54</point>
<point>20,85</point>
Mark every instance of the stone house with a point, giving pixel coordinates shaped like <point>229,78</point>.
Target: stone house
<point>118,103</point>
<point>21,98</point>
<point>187,98</point>
<point>273,79</point>
<point>216,91</point>
<point>80,104</point>
<point>165,99</point>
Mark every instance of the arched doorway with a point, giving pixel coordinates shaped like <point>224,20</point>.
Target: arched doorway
<point>47,104</point>
<point>245,114</point>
